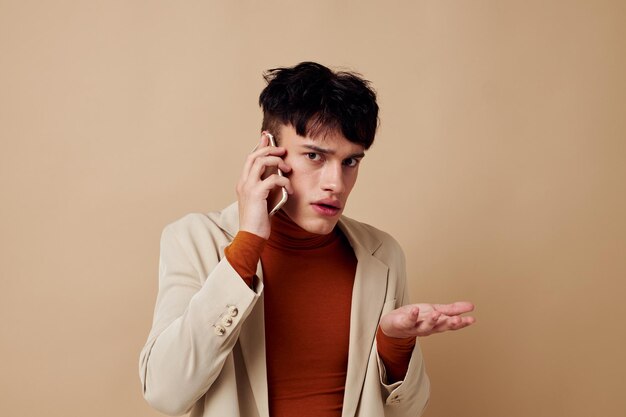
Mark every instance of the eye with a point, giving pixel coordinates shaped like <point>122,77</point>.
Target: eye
<point>351,162</point>
<point>313,156</point>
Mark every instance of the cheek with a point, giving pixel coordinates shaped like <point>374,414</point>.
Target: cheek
<point>302,183</point>
<point>296,180</point>
<point>301,177</point>
<point>351,180</point>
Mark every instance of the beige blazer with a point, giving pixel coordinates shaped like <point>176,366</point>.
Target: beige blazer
<point>191,364</point>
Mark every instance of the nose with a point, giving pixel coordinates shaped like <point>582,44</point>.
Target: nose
<point>332,178</point>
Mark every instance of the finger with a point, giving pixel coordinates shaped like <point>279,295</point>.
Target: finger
<point>252,156</point>
<point>434,318</point>
<point>263,152</point>
<point>454,323</point>
<point>262,188</point>
<point>262,149</point>
<point>408,316</point>
<point>428,323</point>
<point>276,180</point>
<point>261,164</point>
<point>454,309</point>
<point>261,192</point>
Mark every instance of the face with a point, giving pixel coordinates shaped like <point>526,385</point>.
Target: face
<point>323,172</point>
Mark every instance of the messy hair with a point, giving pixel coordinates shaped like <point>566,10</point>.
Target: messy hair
<point>317,101</point>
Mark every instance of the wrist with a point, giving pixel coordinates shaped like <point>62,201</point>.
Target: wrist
<point>244,253</point>
<point>260,229</point>
<point>396,340</point>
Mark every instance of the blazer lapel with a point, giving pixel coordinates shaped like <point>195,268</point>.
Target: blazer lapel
<point>368,297</point>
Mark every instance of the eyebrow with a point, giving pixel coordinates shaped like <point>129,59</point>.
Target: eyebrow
<point>331,152</point>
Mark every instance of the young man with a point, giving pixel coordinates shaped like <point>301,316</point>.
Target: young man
<point>304,313</point>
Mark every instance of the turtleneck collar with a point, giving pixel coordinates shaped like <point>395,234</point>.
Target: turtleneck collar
<point>286,234</point>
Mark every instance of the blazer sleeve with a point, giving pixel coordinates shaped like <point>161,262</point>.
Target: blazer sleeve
<point>410,396</point>
<point>197,320</point>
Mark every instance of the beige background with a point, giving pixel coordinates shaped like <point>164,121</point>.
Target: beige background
<point>499,166</point>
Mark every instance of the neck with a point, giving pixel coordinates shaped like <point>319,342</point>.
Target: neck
<point>287,234</point>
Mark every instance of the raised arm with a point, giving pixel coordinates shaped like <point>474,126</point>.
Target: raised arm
<point>197,321</point>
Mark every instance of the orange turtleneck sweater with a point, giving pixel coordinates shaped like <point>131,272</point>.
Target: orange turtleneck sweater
<point>308,281</point>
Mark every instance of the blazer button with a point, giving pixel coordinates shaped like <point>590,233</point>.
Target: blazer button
<point>219,330</point>
<point>227,321</point>
<point>233,311</point>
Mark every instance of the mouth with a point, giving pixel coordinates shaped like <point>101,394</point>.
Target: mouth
<point>327,207</point>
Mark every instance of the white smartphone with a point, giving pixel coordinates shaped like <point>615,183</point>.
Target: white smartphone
<point>283,190</point>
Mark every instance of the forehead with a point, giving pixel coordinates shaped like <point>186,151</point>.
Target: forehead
<point>332,141</point>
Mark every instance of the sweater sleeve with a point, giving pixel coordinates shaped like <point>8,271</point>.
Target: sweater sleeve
<point>395,354</point>
<point>244,253</point>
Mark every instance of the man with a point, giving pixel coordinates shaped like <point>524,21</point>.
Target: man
<point>304,313</point>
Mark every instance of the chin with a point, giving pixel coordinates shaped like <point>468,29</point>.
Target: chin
<point>312,222</point>
<point>318,226</point>
<point>320,230</point>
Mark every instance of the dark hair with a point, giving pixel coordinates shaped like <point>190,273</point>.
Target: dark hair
<point>317,101</point>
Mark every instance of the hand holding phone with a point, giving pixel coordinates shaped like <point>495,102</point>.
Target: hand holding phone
<point>262,188</point>
<point>283,191</point>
